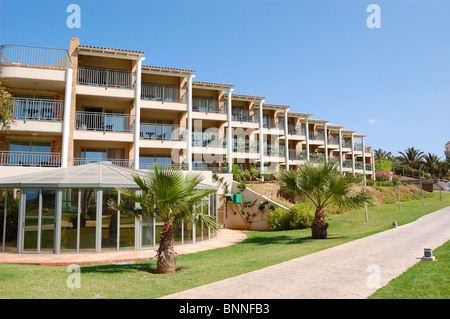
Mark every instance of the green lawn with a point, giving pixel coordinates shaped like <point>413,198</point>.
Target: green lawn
<point>260,249</point>
<point>425,280</point>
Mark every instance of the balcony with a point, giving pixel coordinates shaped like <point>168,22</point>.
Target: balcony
<point>36,109</point>
<point>368,167</point>
<point>358,165</point>
<point>317,158</point>
<point>347,144</point>
<point>29,56</point>
<point>245,147</point>
<point>241,115</point>
<point>163,132</point>
<point>110,122</point>
<point>115,161</point>
<point>207,105</point>
<point>207,140</point>
<point>333,140</point>
<point>358,147</point>
<point>347,164</point>
<point>163,93</point>
<point>105,78</point>
<point>316,136</point>
<point>30,159</point>
<point>294,155</point>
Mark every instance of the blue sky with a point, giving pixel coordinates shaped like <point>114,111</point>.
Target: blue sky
<point>317,56</point>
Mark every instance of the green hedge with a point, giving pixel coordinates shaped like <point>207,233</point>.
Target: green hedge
<point>298,216</point>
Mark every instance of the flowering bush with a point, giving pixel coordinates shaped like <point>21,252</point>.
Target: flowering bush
<point>387,176</point>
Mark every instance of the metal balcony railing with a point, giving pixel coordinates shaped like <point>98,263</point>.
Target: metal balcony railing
<point>294,129</point>
<point>37,109</point>
<point>115,161</point>
<point>333,140</point>
<point>105,77</point>
<point>241,115</point>
<point>163,93</point>
<point>207,140</point>
<point>22,55</point>
<point>347,164</point>
<point>104,122</point>
<point>317,158</point>
<point>163,132</point>
<point>207,105</point>
<point>368,167</point>
<point>245,147</point>
<point>32,159</point>
<point>358,165</point>
<point>316,136</point>
<point>358,146</point>
<point>347,144</point>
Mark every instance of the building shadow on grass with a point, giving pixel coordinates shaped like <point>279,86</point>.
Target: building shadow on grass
<point>144,266</point>
<point>288,240</point>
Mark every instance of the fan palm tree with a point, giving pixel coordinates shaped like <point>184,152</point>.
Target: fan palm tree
<point>411,157</point>
<point>432,164</point>
<point>323,185</point>
<point>168,195</point>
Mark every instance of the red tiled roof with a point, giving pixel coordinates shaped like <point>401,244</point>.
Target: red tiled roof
<point>111,49</point>
<point>166,68</point>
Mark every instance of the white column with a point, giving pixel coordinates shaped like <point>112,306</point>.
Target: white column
<point>66,118</point>
<point>286,139</point>
<point>137,112</point>
<point>353,154</point>
<point>341,161</point>
<point>261,138</point>
<point>189,122</point>
<point>373,166</point>
<point>307,138</point>
<point>364,158</point>
<point>229,132</point>
<point>325,139</point>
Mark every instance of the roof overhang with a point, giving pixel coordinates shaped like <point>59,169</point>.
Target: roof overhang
<point>148,69</point>
<point>211,86</point>
<point>109,52</point>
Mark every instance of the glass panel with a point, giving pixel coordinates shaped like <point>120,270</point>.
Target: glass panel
<point>187,233</point>
<point>147,232</point>
<point>48,219</point>
<point>87,219</point>
<point>177,234</point>
<point>127,226</point>
<point>12,213</point>
<point>31,220</point>
<point>69,220</point>
<point>146,162</point>
<point>109,221</point>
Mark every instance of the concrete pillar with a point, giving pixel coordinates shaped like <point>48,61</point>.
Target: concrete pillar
<point>261,137</point>
<point>325,140</point>
<point>286,139</point>
<point>189,122</point>
<point>66,118</point>
<point>364,158</point>
<point>307,138</point>
<point>137,112</point>
<point>229,132</point>
<point>353,154</point>
<point>341,161</point>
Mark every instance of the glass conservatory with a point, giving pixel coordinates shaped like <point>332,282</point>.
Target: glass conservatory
<point>65,210</point>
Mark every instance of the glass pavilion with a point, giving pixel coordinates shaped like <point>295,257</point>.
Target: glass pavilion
<point>65,210</point>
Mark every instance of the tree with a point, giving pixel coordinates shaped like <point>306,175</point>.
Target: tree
<point>323,185</point>
<point>381,154</point>
<point>6,107</point>
<point>168,195</point>
<point>411,157</point>
<point>432,164</point>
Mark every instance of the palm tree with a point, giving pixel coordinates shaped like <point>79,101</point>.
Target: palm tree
<point>170,196</point>
<point>411,157</point>
<point>381,154</point>
<point>322,185</point>
<point>432,164</point>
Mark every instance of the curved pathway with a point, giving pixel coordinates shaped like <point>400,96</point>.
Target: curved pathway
<point>352,270</point>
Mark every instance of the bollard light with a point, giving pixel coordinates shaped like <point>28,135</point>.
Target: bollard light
<point>394,224</point>
<point>428,254</point>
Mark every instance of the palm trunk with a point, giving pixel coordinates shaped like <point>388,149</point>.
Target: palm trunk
<point>319,226</point>
<point>166,253</point>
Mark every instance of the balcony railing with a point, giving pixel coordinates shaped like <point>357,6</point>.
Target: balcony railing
<point>21,55</point>
<point>241,115</point>
<point>317,158</point>
<point>37,109</point>
<point>358,165</point>
<point>207,140</point>
<point>294,129</point>
<point>358,146</point>
<point>105,77</point>
<point>347,164</point>
<point>115,161</point>
<point>368,167</point>
<point>163,93</point>
<point>333,140</point>
<point>316,136</point>
<point>104,122</point>
<point>245,147</point>
<point>295,155</point>
<point>207,105</point>
<point>32,159</point>
<point>347,144</point>
<point>163,132</point>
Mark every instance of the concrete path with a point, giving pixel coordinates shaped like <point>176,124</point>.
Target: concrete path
<point>352,270</point>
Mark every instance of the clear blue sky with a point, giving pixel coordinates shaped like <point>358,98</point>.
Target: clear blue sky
<point>317,56</point>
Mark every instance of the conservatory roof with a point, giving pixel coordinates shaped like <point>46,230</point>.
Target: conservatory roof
<point>94,175</point>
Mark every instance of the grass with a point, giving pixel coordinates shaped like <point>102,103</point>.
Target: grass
<point>425,280</point>
<point>260,249</point>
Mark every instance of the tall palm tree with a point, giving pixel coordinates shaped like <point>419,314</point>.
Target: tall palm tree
<point>432,164</point>
<point>412,157</point>
<point>169,195</point>
<point>323,185</point>
<point>381,154</point>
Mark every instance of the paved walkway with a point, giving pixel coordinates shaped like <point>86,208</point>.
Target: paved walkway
<point>346,271</point>
<point>225,237</point>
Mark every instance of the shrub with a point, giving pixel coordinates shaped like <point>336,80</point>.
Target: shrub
<point>297,217</point>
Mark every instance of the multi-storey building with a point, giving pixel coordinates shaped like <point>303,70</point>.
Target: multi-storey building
<point>89,104</point>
